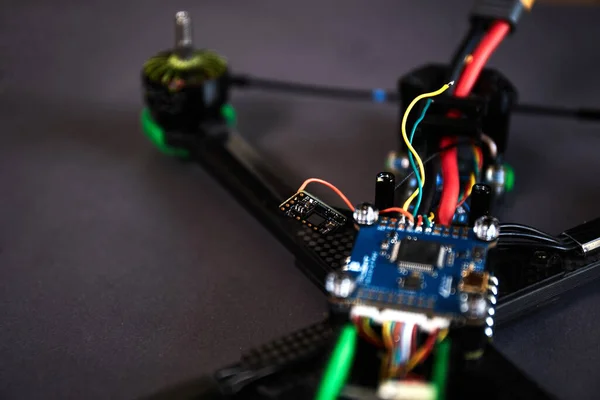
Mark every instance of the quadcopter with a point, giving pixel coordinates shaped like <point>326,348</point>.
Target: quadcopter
<point>416,279</point>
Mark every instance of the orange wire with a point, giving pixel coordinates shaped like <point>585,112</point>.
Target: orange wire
<point>468,191</point>
<point>479,156</point>
<point>348,202</point>
<point>400,210</point>
<point>330,186</point>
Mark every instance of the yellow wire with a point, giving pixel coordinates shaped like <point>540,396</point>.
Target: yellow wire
<point>431,217</point>
<point>442,335</point>
<point>417,358</point>
<point>472,183</point>
<point>369,331</point>
<point>385,370</point>
<point>387,335</point>
<point>386,367</point>
<point>410,147</point>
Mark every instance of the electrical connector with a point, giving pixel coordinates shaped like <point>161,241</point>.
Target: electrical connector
<point>505,10</point>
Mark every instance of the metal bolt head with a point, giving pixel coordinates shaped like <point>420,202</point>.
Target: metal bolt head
<point>366,214</point>
<point>346,264</point>
<point>474,306</point>
<point>487,228</point>
<point>495,176</point>
<point>340,284</point>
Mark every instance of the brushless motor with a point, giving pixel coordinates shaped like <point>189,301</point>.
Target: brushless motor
<point>185,87</point>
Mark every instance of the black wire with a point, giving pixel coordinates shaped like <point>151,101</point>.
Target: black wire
<point>390,96</point>
<point>578,113</point>
<point>430,188</point>
<point>433,157</point>
<point>523,235</point>
<point>508,244</point>
<point>525,228</point>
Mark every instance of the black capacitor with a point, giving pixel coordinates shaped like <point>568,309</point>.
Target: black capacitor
<point>384,190</point>
<point>481,202</point>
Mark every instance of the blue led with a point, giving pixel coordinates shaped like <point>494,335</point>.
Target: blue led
<point>379,95</point>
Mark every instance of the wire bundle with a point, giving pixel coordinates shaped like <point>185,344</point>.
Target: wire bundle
<point>467,65</point>
<point>400,343</point>
<point>413,155</point>
<point>516,235</point>
<point>473,65</point>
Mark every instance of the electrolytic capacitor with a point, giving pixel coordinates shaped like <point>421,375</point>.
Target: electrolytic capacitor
<point>481,202</point>
<point>384,190</point>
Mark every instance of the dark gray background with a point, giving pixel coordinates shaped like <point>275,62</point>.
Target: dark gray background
<point>123,271</point>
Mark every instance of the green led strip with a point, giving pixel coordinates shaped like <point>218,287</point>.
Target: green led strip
<point>156,135</point>
<point>509,178</point>
<point>440,368</point>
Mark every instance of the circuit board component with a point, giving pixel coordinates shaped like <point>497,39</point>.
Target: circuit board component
<point>314,213</point>
<point>437,271</point>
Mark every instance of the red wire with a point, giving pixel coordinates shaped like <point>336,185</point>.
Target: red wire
<point>482,53</point>
<point>450,174</point>
<point>429,345</point>
<point>450,177</point>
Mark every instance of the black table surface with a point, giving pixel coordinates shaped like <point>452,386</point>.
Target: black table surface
<point>123,271</point>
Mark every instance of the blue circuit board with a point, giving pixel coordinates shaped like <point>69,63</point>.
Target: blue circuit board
<point>401,267</point>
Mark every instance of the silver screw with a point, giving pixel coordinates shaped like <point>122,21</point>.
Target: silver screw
<point>339,284</point>
<point>487,228</point>
<point>183,30</point>
<point>473,306</point>
<point>495,176</point>
<point>365,214</point>
<point>346,264</point>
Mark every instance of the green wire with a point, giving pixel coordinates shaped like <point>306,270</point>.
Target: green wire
<point>339,366</point>
<point>477,171</point>
<point>427,221</point>
<point>440,368</point>
<point>412,160</point>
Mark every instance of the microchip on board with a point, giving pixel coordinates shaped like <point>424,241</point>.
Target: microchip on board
<point>420,255</point>
<point>312,212</point>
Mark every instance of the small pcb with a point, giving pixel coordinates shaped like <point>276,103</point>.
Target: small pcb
<point>315,214</point>
<point>423,269</point>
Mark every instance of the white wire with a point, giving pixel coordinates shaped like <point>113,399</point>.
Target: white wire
<point>406,342</point>
<point>490,144</point>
